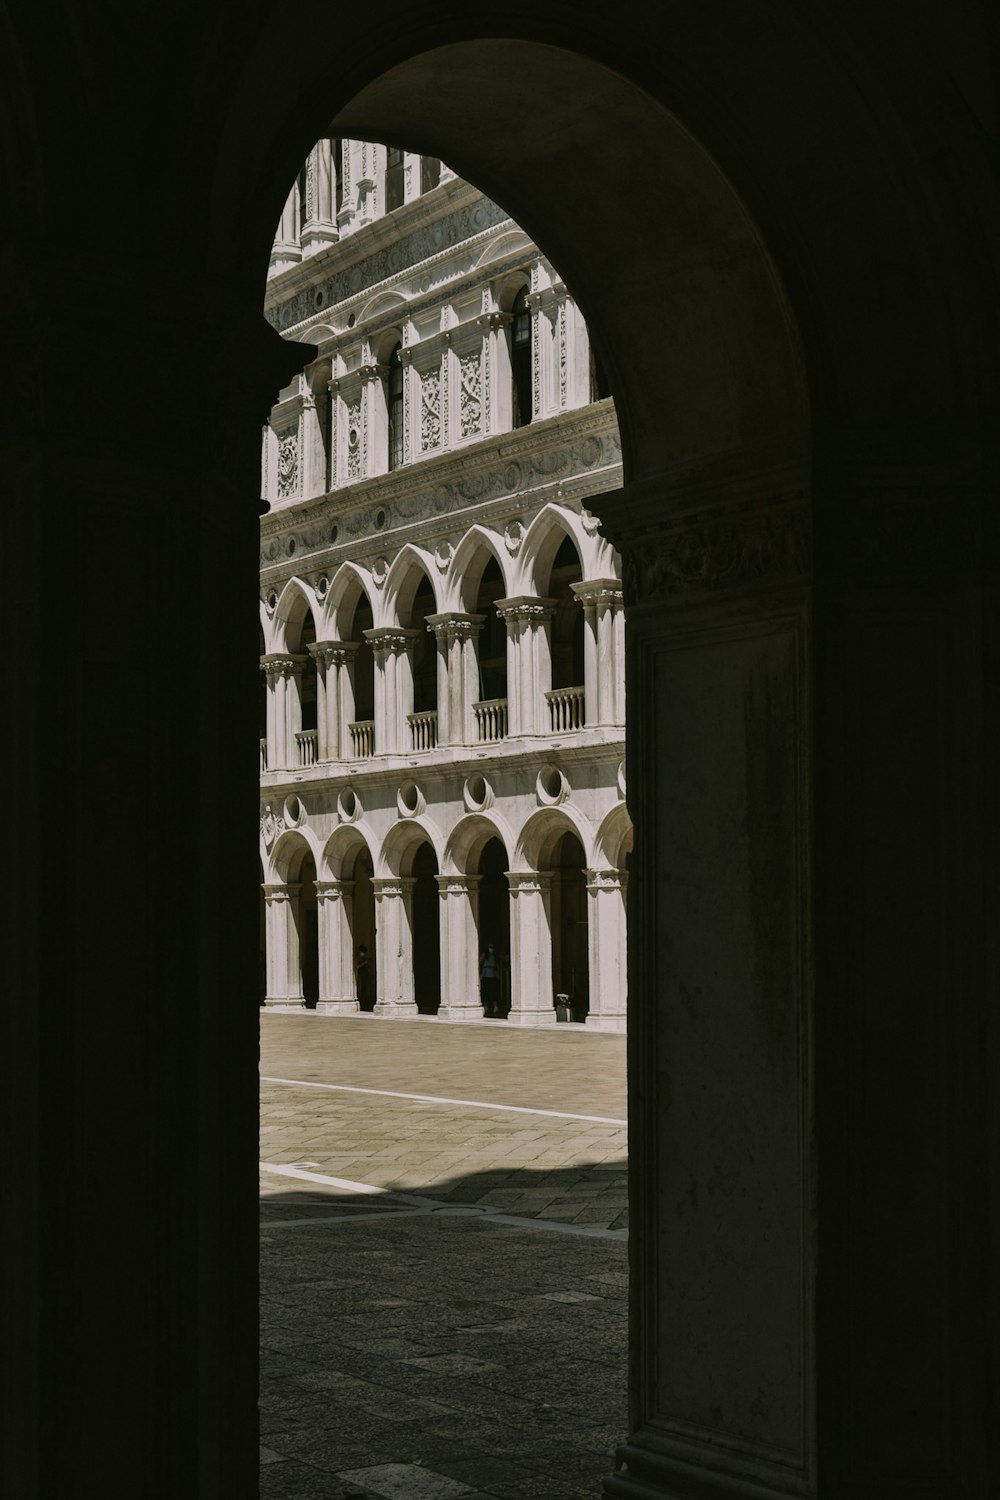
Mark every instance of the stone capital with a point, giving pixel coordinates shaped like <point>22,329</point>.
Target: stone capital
<point>336,653</point>
<point>454,626</point>
<point>526,609</point>
<point>599,591</point>
<point>331,890</point>
<point>606,880</point>
<point>391,639</point>
<point>283,664</point>
<point>389,885</point>
<point>457,885</point>
<point>528,882</point>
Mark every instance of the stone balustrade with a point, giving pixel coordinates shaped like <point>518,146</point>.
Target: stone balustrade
<point>362,738</point>
<point>423,730</point>
<point>566,709</point>
<point>491,719</point>
<point>307,746</point>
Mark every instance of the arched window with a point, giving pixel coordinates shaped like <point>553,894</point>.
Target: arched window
<point>394,408</point>
<point>393,178</point>
<point>430,173</point>
<point>520,360</point>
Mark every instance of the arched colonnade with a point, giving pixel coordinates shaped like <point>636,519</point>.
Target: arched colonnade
<point>399,926</point>
<point>339,688</point>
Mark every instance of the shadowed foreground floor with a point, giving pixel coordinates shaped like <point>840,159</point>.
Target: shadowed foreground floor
<point>453,1323</point>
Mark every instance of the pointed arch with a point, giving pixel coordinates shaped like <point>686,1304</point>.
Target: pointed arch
<point>471,557</point>
<point>295,602</point>
<point>542,540</point>
<point>403,581</point>
<point>346,587</point>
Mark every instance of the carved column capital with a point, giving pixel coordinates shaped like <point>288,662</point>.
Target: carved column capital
<point>595,591</point>
<point>391,640</point>
<point>525,609</point>
<point>454,626</point>
<point>283,665</point>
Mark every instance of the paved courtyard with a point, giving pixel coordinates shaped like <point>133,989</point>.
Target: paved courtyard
<point>443,1259</point>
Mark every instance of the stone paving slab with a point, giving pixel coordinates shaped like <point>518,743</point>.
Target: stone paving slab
<point>460,1334</point>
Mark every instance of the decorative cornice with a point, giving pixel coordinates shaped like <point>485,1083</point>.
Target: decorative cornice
<point>576,454</point>
<point>366,274</point>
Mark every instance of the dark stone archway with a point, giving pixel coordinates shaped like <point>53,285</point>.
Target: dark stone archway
<point>811,528</point>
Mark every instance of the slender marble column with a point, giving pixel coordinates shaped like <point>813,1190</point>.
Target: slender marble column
<point>284,680</point>
<point>268,668</point>
<point>460,997</point>
<point>340,657</point>
<point>321,657</point>
<point>603,644</point>
<point>285,251</point>
<point>531,1001</point>
<point>337,990</point>
<point>320,228</point>
<point>457,637</point>
<point>393,673</point>
<point>607,951</point>
<point>393,950</point>
<point>281,938</point>
<point>529,661</point>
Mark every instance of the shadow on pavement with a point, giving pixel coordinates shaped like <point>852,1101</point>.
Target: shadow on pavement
<point>463,1339</point>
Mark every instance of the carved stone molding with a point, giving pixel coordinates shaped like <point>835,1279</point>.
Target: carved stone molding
<point>725,548</point>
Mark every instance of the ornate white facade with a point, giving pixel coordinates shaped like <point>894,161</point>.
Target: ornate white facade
<point>442,635</point>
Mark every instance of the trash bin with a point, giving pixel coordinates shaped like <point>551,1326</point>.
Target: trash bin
<point>564,1008</point>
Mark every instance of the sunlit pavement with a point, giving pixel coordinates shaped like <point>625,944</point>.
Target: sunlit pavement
<point>443,1277</point>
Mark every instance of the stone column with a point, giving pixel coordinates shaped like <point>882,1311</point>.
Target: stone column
<point>393,949</point>
<point>603,644</point>
<point>320,658</point>
<point>285,251</point>
<point>320,227</point>
<point>460,998</point>
<point>496,370</point>
<point>281,938</point>
<point>531,1000</point>
<point>268,668</point>
<point>337,991</point>
<point>284,708</point>
<point>606,949</point>
<point>529,661</point>
<point>457,637</point>
<point>393,687</point>
<point>723,1115</point>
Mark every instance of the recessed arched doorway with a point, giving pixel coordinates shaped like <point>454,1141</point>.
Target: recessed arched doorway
<point>569,927</point>
<point>494,928</point>
<point>425,931</point>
